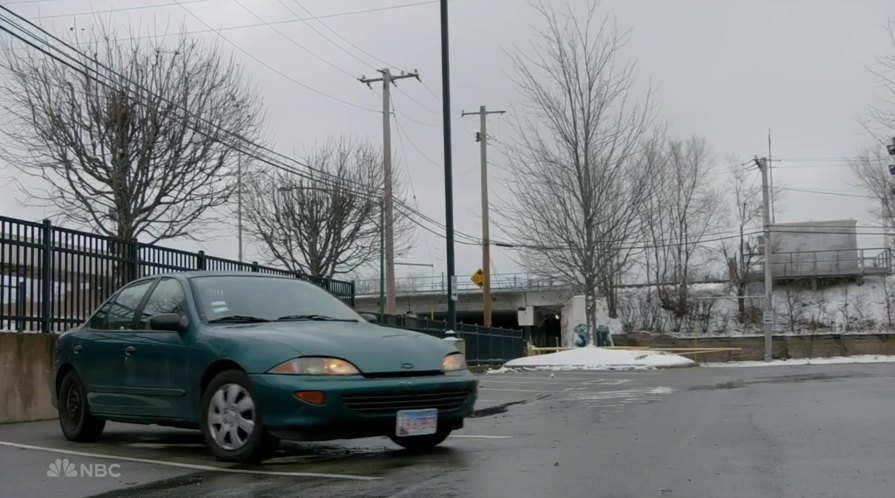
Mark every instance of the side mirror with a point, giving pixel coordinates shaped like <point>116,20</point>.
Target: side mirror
<point>169,321</point>
<point>370,317</point>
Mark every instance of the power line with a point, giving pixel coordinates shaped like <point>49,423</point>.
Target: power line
<point>110,10</point>
<point>346,40</point>
<point>825,192</point>
<point>275,70</point>
<point>292,41</point>
<point>178,106</point>
<point>412,143</point>
<point>288,21</point>
<point>330,40</point>
<point>112,71</point>
<point>267,160</point>
<point>251,144</point>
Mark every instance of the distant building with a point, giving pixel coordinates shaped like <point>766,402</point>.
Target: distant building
<point>820,249</point>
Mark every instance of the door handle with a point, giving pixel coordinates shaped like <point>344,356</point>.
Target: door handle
<point>130,350</point>
<point>77,349</point>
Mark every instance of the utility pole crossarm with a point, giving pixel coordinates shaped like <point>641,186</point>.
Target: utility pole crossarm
<point>483,113</point>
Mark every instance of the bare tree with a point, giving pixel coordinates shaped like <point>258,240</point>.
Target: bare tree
<point>871,169</point>
<point>794,304</point>
<point>870,166</point>
<point>879,122</point>
<point>888,295</point>
<point>328,221</point>
<point>741,254</point>
<point>684,207</point>
<point>576,182</point>
<point>137,145</point>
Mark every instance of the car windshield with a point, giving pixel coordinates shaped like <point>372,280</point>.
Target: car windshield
<point>253,298</point>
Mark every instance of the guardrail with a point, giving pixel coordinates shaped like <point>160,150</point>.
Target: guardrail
<point>484,345</point>
<point>825,263</point>
<point>61,275</point>
<point>438,285</point>
<point>535,351</point>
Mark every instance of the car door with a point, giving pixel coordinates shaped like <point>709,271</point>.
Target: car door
<point>156,368</point>
<point>100,353</point>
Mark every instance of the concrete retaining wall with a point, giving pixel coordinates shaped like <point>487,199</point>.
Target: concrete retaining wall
<point>25,369</point>
<point>752,348</point>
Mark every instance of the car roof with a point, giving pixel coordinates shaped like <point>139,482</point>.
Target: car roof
<point>197,273</point>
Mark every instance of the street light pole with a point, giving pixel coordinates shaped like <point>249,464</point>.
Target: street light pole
<point>448,176</point>
<point>239,203</point>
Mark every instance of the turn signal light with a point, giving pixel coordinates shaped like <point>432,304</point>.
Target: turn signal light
<point>316,398</point>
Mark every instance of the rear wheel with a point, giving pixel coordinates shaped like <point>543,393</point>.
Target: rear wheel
<point>421,443</point>
<point>231,420</point>
<point>74,412</point>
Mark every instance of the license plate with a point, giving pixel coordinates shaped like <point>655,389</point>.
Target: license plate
<point>416,422</point>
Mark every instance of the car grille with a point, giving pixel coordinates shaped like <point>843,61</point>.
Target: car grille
<point>391,403</point>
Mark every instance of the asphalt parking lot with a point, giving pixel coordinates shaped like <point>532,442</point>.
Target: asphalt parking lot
<point>818,431</point>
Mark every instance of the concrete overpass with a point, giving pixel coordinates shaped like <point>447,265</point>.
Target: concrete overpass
<point>427,296</point>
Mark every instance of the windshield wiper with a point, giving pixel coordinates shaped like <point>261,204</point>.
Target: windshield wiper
<point>239,319</point>
<point>314,318</point>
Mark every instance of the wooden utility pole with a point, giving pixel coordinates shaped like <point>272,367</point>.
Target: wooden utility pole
<point>482,138</point>
<point>768,315</point>
<point>388,79</point>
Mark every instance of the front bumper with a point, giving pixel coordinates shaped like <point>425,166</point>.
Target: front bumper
<point>285,416</point>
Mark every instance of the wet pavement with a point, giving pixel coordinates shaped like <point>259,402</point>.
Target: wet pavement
<point>791,431</point>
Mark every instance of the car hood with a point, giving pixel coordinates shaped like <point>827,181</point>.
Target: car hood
<point>373,349</point>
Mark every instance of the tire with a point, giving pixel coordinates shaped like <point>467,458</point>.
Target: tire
<point>421,443</point>
<point>231,420</point>
<point>74,411</point>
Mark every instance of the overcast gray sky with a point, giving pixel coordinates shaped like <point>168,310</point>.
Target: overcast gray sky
<point>728,71</point>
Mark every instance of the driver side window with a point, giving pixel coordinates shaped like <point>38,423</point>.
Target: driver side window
<point>166,298</point>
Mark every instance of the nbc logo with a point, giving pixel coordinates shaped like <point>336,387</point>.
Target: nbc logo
<point>62,468</point>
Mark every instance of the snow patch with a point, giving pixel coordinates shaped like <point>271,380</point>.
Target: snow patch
<point>833,360</point>
<point>593,358</point>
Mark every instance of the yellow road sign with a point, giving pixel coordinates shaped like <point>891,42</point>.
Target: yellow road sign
<point>478,278</point>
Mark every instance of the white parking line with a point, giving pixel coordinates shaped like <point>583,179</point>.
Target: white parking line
<point>209,468</point>
<point>532,381</point>
<point>476,436</point>
<point>518,390</point>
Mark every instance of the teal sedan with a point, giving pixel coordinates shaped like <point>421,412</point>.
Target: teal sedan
<point>251,359</point>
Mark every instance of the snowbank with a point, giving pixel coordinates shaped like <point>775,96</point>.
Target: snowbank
<point>593,358</point>
<point>833,360</point>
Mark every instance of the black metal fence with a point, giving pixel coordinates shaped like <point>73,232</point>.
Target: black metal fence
<point>484,345</point>
<point>52,278</point>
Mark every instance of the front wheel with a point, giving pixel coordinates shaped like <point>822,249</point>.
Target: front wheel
<point>74,412</point>
<point>231,420</point>
<point>421,443</point>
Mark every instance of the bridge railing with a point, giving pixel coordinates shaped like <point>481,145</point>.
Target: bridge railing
<point>825,263</point>
<point>438,284</point>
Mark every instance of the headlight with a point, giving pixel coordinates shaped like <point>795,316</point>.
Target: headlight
<point>454,362</point>
<point>315,366</point>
